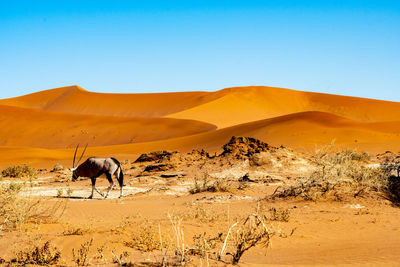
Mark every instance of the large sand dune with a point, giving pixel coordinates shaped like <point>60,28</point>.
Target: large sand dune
<point>129,124</point>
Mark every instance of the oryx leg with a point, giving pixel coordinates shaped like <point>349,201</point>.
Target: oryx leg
<point>120,179</point>
<point>110,180</point>
<point>94,188</point>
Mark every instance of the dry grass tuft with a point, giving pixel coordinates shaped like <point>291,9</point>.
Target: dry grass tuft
<point>73,230</point>
<point>207,185</point>
<point>20,171</point>
<point>202,214</point>
<point>16,210</point>
<point>147,239</point>
<point>180,248</point>
<point>38,255</point>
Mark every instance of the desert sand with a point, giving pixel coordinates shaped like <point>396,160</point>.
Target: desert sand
<point>43,129</point>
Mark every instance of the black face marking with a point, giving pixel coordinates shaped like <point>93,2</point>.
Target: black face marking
<point>74,176</point>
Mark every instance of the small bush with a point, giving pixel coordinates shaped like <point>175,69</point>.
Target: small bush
<point>81,256</point>
<point>69,191</point>
<point>19,171</point>
<point>58,167</point>
<point>218,185</point>
<point>38,255</point>
<point>59,192</point>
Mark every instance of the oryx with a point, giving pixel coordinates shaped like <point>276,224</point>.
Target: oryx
<point>93,167</point>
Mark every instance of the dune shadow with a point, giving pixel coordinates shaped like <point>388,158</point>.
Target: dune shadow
<point>72,197</point>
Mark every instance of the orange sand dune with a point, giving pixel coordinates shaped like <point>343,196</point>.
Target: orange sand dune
<point>74,99</point>
<point>224,108</point>
<point>45,129</point>
<point>246,104</point>
<point>299,130</point>
<point>129,124</point>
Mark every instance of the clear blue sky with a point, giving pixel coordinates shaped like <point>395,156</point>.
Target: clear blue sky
<point>341,47</point>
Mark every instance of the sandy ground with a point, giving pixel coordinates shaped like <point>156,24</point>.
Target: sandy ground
<point>357,231</point>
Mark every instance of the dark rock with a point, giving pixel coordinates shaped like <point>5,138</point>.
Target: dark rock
<point>246,178</point>
<point>155,156</point>
<point>157,167</point>
<point>170,175</point>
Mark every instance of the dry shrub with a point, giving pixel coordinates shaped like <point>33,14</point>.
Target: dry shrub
<point>122,259</point>
<point>19,171</point>
<point>243,235</point>
<point>338,174</point>
<point>81,256</point>
<point>38,255</point>
<point>280,215</point>
<point>76,230</point>
<point>204,244</point>
<point>147,238</point>
<point>207,185</point>
<point>16,210</point>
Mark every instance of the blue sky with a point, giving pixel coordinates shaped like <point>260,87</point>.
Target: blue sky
<point>340,47</point>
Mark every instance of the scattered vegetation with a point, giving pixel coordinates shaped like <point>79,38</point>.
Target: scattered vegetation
<point>19,171</point>
<point>203,215</point>
<point>337,175</point>
<point>38,255</point>
<point>207,185</point>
